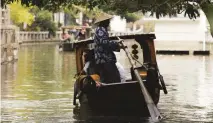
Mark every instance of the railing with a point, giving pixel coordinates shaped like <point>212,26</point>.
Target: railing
<point>24,36</point>
<point>37,36</point>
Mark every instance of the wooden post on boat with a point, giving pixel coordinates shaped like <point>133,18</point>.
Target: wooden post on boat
<point>154,112</point>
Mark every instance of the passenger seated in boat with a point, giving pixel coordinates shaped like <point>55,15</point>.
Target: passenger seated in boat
<point>66,37</point>
<point>81,34</point>
<point>90,67</point>
<point>121,71</point>
<point>89,60</point>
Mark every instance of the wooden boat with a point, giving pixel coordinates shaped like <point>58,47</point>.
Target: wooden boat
<point>66,46</point>
<point>126,96</point>
<point>67,42</point>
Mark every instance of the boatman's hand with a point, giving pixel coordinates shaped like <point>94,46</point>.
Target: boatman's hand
<point>121,45</point>
<point>98,84</point>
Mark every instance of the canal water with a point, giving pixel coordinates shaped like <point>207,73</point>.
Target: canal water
<point>39,89</point>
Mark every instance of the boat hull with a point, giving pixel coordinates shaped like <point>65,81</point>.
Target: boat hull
<point>119,98</point>
<point>67,46</point>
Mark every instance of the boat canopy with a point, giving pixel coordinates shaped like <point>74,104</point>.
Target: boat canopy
<point>76,27</point>
<point>137,37</point>
<point>146,42</point>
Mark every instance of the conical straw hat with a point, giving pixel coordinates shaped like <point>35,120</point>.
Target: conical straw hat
<point>102,16</point>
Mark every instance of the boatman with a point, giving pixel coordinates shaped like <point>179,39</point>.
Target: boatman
<point>104,57</point>
<point>81,34</point>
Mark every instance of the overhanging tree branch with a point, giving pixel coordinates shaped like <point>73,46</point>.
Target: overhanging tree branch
<point>158,8</point>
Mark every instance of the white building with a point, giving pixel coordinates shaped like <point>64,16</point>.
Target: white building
<point>59,18</point>
<point>118,24</point>
<point>180,28</point>
<point>174,31</point>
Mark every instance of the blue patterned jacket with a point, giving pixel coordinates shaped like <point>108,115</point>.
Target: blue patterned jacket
<point>104,47</point>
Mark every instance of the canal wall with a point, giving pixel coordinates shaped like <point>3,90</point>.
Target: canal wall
<point>189,46</point>
<point>11,37</point>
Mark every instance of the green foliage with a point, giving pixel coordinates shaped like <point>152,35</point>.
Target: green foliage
<point>148,27</point>
<point>52,28</point>
<point>90,13</point>
<point>74,10</point>
<point>208,10</point>
<point>44,15</point>
<point>59,24</point>
<point>20,14</point>
<point>132,17</point>
<point>37,19</point>
<point>157,8</point>
<point>52,5</point>
<point>72,13</point>
<point>43,21</point>
<point>37,28</point>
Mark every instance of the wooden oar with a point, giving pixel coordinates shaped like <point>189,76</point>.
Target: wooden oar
<point>154,112</point>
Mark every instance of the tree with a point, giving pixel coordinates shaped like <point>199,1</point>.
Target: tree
<point>20,14</point>
<point>132,17</point>
<point>208,10</point>
<point>88,14</point>
<point>157,8</point>
<point>160,8</point>
<point>43,21</point>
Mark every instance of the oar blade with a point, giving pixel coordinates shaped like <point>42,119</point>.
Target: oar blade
<point>154,112</point>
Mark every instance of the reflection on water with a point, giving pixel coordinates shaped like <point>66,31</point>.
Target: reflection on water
<point>39,88</point>
<point>189,80</point>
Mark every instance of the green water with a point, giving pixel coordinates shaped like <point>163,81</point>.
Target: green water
<point>39,85</point>
<point>38,88</point>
